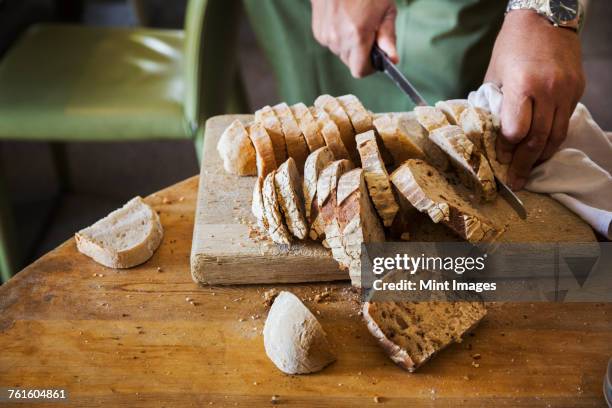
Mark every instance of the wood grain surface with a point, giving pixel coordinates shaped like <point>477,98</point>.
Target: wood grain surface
<point>225,251</point>
<point>130,338</point>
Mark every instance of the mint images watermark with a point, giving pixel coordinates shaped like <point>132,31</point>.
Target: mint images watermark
<point>525,272</point>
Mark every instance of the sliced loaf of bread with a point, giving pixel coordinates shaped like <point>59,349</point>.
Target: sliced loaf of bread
<point>471,165</point>
<point>288,185</point>
<point>377,178</point>
<point>429,192</point>
<point>125,238</point>
<point>411,333</point>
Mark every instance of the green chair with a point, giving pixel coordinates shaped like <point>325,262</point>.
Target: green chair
<point>67,83</point>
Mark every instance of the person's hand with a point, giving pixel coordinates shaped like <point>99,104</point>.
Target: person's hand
<point>349,29</point>
<point>539,68</point>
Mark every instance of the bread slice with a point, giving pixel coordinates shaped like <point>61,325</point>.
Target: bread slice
<point>331,134</point>
<point>265,158</point>
<point>377,178</point>
<point>315,163</point>
<point>335,111</point>
<point>288,185</point>
<point>294,140</point>
<point>272,124</point>
<point>406,139</point>
<point>237,151</point>
<point>429,192</point>
<point>355,222</point>
<point>453,109</point>
<point>308,125</point>
<point>294,339</point>
<point>124,238</point>
<point>360,117</point>
<point>470,163</point>
<point>430,118</point>
<point>473,126</point>
<point>323,207</point>
<point>257,204</point>
<point>411,333</point>
<point>272,212</point>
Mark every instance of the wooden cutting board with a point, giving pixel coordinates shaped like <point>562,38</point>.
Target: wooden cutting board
<point>227,250</point>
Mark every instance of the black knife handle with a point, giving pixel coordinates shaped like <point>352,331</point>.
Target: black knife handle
<point>377,57</point>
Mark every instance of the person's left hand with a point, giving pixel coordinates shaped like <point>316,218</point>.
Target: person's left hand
<point>539,69</point>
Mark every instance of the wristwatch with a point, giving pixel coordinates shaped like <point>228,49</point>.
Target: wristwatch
<point>561,13</point>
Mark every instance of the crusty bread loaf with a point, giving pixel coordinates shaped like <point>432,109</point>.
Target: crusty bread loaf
<point>308,125</point>
<point>315,163</point>
<point>360,117</point>
<point>124,238</point>
<point>288,185</point>
<point>430,118</point>
<point>272,124</point>
<point>471,165</point>
<point>331,134</point>
<point>411,333</point>
<point>333,108</point>
<point>377,178</point>
<point>237,151</point>
<point>429,192</point>
<point>355,222</point>
<point>294,339</point>
<point>406,139</point>
<point>294,140</point>
<point>272,212</point>
<point>265,158</point>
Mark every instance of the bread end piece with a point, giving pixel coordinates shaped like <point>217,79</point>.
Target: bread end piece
<point>237,151</point>
<point>125,238</point>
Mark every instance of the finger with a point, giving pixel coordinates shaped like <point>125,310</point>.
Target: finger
<point>359,55</point>
<point>516,117</point>
<point>530,149</point>
<point>386,37</point>
<point>558,132</point>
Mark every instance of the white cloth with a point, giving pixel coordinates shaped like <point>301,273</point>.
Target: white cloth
<point>578,175</point>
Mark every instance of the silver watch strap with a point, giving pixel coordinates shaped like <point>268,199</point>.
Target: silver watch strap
<point>541,6</point>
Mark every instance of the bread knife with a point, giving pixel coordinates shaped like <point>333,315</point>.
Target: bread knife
<point>381,62</point>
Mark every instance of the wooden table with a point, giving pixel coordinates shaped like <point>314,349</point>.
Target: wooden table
<point>125,338</point>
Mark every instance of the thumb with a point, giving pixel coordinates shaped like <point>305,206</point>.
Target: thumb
<point>385,36</point>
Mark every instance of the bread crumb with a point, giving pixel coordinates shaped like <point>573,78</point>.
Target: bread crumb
<point>166,200</point>
<point>275,399</point>
<point>476,356</point>
<point>377,400</point>
<point>159,269</point>
<point>475,364</point>
<point>188,299</point>
<point>405,236</point>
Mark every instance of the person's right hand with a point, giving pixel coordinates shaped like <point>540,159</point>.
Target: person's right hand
<point>349,29</point>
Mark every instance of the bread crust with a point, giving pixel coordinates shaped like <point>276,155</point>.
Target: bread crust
<point>272,212</point>
<point>331,134</point>
<point>289,192</point>
<point>315,163</point>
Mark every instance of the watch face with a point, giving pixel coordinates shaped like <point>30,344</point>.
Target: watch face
<point>564,10</point>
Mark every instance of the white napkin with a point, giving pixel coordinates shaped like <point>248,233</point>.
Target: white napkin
<point>578,175</point>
